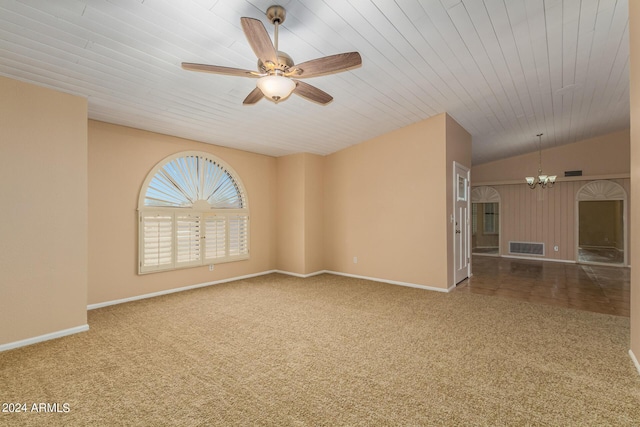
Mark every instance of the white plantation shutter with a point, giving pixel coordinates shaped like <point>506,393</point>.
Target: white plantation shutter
<point>193,211</point>
<point>156,241</point>
<point>215,242</point>
<point>238,235</point>
<point>188,236</point>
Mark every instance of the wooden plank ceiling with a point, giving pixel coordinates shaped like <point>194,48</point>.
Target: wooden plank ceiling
<point>504,69</point>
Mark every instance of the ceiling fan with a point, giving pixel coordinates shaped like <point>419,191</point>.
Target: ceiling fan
<point>276,69</point>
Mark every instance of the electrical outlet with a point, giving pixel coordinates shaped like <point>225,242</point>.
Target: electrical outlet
<point>210,267</point>
<point>355,259</point>
<point>555,248</point>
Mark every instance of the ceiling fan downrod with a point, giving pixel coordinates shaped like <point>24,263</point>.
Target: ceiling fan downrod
<point>276,15</point>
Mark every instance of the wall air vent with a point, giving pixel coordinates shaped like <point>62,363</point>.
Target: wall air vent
<point>526,248</point>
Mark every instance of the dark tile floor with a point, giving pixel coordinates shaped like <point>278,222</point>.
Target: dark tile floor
<point>596,288</point>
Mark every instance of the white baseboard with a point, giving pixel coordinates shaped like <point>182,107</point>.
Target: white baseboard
<point>304,276</point>
<point>393,282</point>
<point>232,279</point>
<point>84,328</point>
<point>45,337</point>
<point>171,291</point>
<point>635,361</point>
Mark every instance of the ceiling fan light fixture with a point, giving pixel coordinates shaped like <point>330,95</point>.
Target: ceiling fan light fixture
<point>276,87</point>
<point>275,67</point>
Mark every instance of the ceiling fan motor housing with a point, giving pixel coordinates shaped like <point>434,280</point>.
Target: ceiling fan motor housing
<point>284,64</point>
<point>276,14</point>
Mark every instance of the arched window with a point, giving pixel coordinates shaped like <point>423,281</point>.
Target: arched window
<point>601,190</point>
<point>193,211</point>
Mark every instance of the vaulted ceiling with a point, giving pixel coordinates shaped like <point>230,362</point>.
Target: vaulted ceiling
<point>506,70</point>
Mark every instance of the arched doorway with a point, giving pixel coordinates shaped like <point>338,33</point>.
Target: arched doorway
<point>485,217</point>
<point>601,223</point>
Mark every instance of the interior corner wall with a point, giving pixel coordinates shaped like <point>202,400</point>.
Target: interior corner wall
<point>634,76</point>
<point>120,158</point>
<point>314,213</point>
<point>385,204</point>
<point>43,219</point>
<point>290,223</point>
<point>300,213</point>
<point>458,146</point>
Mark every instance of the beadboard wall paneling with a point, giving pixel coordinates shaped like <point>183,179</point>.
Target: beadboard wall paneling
<point>548,216</point>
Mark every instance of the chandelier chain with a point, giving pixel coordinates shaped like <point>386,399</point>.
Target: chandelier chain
<point>542,180</point>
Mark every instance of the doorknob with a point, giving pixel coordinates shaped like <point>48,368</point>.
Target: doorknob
<point>457,231</point>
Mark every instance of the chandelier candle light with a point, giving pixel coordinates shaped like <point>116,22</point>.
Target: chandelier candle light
<point>542,180</point>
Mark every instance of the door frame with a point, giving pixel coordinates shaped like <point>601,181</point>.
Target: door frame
<point>454,180</point>
<point>602,190</point>
<point>487,194</point>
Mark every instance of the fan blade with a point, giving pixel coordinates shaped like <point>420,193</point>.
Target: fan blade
<point>259,40</point>
<point>255,96</point>
<point>312,93</point>
<point>218,70</point>
<point>327,65</point>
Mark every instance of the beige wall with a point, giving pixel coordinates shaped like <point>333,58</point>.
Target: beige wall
<point>634,73</point>
<point>603,155</point>
<point>43,226</point>
<point>326,210</point>
<point>387,203</point>
<point>119,160</point>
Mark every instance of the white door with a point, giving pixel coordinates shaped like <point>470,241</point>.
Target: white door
<point>461,222</point>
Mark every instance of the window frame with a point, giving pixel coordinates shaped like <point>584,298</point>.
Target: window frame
<point>200,212</point>
<point>490,220</point>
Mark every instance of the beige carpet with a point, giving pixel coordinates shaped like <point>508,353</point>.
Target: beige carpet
<point>329,350</point>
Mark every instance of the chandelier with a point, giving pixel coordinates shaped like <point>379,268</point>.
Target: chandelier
<point>542,180</point>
